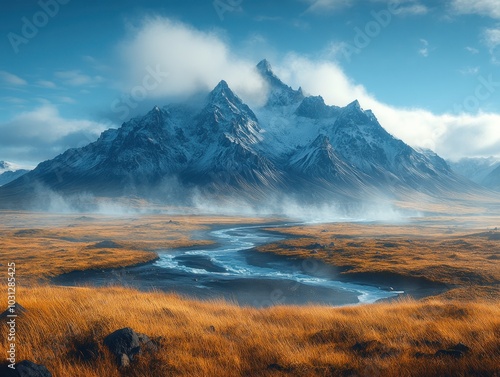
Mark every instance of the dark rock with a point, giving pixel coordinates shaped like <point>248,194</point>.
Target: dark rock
<point>25,369</point>
<point>29,369</point>
<point>125,344</point>
<point>123,361</point>
<point>147,344</point>
<point>211,329</point>
<point>5,371</point>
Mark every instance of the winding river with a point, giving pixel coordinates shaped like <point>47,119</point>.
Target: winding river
<point>233,270</point>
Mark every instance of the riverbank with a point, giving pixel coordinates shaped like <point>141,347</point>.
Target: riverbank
<point>225,270</point>
<point>422,257</point>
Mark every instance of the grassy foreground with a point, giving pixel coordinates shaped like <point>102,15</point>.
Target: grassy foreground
<point>64,327</point>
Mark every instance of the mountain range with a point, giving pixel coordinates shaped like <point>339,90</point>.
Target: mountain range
<point>295,146</point>
<point>483,171</point>
<point>10,172</point>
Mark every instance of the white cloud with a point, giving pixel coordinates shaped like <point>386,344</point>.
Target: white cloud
<point>406,7</point>
<point>14,100</point>
<point>185,60</point>
<point>424,50</point>
<point>472,50</point>
<point>77,78</point>
<point>413,9</point>
<point>491,38</point>
<point>46,84</point>
<point>11,79</point>
<point>450,135</point>
<point>43,133</point>
<point>489,8</point>
<point>320,6</point>
<point>66,99</point>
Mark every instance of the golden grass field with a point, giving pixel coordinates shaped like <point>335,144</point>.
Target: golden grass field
<point>63,327</point>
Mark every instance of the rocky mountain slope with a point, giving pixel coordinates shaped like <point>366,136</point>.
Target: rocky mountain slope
<point>295,145</point>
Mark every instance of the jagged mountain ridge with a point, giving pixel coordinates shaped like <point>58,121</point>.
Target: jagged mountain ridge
<point>9,176</point>
<point>483,171</point>
<point>294,145</point>
<point>10,172</point>
<point>492,180</point>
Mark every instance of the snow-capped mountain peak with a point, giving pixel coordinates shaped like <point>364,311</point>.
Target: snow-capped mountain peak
<point>279,94</point>
<point>265,68</point>
<point>294,145</point>
<point>314,107</point>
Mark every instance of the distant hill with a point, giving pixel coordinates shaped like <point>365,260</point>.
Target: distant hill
<point>483,171</point>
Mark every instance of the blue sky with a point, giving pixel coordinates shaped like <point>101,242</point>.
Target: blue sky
<point>429,69</point>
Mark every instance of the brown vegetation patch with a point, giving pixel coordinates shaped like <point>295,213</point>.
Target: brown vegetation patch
<point>422,249</point>
<point>46,245</point>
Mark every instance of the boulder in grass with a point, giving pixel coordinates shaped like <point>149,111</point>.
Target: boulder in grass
<point>25,368</point>
<point>125,344</point>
